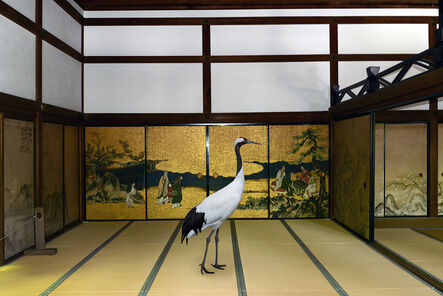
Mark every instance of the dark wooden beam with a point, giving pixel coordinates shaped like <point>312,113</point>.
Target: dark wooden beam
<point>409,91</point>
<point>200,118</point>
<point>60,115</point>
<point>16,107</point>
<point>246,4</point>
<point>269,58</point>
<point>56,42</point>
<point>70,10</point>
<point>399,116</point>
<point>2,192</point>
<point>433,160</point>
<point>141,59</point>
<point>206,50</point>
<point>18,18</point>
<point>333,58</point>
<point>257,21</point>
<point>373,57</point>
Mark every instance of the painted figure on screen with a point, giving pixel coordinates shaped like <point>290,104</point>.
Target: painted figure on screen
<point>300,185</point>
<point>115,164</point>
<point>176,179</point>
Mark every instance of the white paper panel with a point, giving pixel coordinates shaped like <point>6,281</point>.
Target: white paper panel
<point>25,7</point>
<point>353,72</point>
<point>266,12</point>
<point>270,87</point>
<point>143,40</point>
<point>382,38</point>
<point>143,88</point>
<point>62,79</point>
<point>58,22</point>
<point>278,39</point>
<point>17,60</point>
<point>440,103</point>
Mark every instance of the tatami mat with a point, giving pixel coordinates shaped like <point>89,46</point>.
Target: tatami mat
<point>123,265</point>
<point>273,262</point>
<point>180,273</point>
<point>31,275</point>
<point>420,249</point>
<point>359,269</point>
<point>436,233</point>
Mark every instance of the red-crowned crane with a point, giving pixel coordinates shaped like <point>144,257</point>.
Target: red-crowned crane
<point>216,208</point>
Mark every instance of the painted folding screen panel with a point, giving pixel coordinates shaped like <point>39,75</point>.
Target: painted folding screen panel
<point>406,170</point>
<point>352,142</point>
<point>223,166</point>
<point>52,172</point>
<point>18,185</point>
<point>440,169</point>
<point>71,175</point>
<point>299,171</point>
<point>115,173</point>
<point>176,170</point>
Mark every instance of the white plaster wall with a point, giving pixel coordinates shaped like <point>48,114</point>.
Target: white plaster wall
<point>58,22</point>
<point>382,38</point>
<point>62,79</point>
<point>270,87</point>
<point>143,40</point>
<point>17,60</point>
<point>143,88</point>
<point>270,39</point>
<point>25,7</point>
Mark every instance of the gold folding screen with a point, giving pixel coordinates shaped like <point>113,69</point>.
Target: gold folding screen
<point>115,177</point>
<point>176,170</point>
<point>223,165</point>
<point>184,164</point>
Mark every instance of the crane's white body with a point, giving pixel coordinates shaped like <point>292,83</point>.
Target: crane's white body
<point>221,204</point>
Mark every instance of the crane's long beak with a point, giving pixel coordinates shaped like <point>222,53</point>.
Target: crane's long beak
<point>252,142</point>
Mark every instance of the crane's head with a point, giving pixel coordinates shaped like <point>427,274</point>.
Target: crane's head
<point>242,141</point>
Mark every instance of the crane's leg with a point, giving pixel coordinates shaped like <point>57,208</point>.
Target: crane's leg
<point>202,266</point>
<point>216,265</point>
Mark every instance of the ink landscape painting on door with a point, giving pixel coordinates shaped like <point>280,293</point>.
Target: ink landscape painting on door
<point>299,171</point>
<point>115,173</point>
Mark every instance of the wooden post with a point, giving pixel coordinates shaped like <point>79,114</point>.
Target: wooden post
<point>433,160</point>
<point>333,51</point>
<point>2,191</point>
<point>206,41</point>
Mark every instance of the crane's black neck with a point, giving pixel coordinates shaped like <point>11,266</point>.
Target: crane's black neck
<point>237,153</point>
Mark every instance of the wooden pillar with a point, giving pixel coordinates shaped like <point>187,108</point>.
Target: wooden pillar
<point>2,191</point>
<point>206,41</point>
<point>433,160</point>
<point>333,80</point>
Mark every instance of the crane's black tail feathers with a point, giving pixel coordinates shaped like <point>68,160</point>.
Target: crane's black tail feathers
<point>193,221</point>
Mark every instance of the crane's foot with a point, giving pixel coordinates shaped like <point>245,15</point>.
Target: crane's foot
<point>203,268</point>
<point>219,266</point>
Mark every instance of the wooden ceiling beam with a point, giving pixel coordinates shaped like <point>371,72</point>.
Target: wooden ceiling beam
<point>415,89</point>
<point>246,4</point>
<point>259,21</point>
